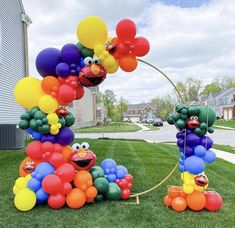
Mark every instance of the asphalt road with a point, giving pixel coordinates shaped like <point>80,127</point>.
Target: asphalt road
<point>166,133</point>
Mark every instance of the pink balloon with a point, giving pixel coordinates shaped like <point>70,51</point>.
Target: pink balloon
<point>141,46</point>
<point>34,151</point>
<point>56,201</point>
<point>56,159</point>
<point>52,184</point>
<point>66,172</point>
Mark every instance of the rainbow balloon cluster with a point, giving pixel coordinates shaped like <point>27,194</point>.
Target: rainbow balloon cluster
<point>53,172</point>
<point>195,150</point>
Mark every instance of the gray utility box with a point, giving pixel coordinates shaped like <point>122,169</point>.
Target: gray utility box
<point>11,137</point>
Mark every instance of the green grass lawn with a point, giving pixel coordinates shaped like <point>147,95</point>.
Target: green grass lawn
<point>151,127</point>
<point>225,148</point>
<point>111,127</point>
<point>149,164</point>
<point>225,123</point>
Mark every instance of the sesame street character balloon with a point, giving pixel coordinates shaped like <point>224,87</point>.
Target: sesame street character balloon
<point>27,166</point>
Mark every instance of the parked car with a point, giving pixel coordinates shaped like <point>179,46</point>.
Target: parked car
<point>157,122</point>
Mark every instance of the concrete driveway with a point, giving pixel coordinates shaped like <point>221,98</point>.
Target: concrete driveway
<point>166,133</point>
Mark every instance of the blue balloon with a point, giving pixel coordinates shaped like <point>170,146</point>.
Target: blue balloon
<point>36,135</point>
<point>41,195</point>
<point>34,184</point>
<point>111,177</point>
<point>43,170</point>
<point>210,156</point>
<point>109,166</point>
<point>70,53</point>
<point>181,168</point>
<point>47,60</point>
<point>206,141</point>
<point>194,165</point>
<point>63,69</point>
<point>192,139</point>
<point>200,151</point>
<point>121,172</point>
<point>30,131</point>
<point>65,136</point>
<point>180,143</point>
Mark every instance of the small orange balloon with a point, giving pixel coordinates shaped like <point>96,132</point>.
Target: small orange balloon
<point>50,85</point>
<point>174,191</point>
<point>179,204</point>
<point>27,166</point>
<point>128,62</point>
<point>66,152</point>
<point>182,194</point>
<point>196,201</point>
<point>76,198</point>
<point>91,193</point>
<point>83,179</point>
<point>167,201</point>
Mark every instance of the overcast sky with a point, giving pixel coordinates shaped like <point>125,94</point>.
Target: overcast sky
<point>187,37</point>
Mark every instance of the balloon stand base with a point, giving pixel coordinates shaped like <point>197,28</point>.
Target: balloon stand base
<point>137,201</point>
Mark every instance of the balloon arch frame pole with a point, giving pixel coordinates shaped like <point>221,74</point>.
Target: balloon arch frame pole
<point>137,195</point>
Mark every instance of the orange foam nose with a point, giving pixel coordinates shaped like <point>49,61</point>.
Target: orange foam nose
<point>82,153</point>
<point>95,69</point>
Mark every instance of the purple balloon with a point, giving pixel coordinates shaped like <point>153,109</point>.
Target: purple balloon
<point>188,151</point>
<point>47,60</point>
<point>63,69</point>
<point>70,53</point>
<point>48,138</point>
<point>192,139</point>
<point>180,143</point>
<point>65,136</point>
<point>206,141</point>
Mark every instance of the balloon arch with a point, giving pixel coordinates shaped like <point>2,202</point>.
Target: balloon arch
<point>57,174</point>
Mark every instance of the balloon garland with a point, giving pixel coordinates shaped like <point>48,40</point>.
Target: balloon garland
<point>57,174</point>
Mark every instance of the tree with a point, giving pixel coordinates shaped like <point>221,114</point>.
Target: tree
<point>190,89</point>
<point>108,98</point>
<point>121,107</point>
<point>165,106</point>
<point>226,82</point>
<point>213,87</point>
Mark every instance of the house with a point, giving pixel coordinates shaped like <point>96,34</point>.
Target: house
<point>140,112</point>
<point>13,66</point>
<point>223,103</point>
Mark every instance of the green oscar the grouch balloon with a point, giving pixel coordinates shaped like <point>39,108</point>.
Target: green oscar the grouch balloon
<point>198,119</point>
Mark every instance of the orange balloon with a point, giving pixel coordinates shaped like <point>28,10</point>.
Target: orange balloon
<point>174,191</point>
<point>91,193</point>
<point>66,152</point>
<point>179,204</point>
<point>83,180</point>
<point>167,201</point>
<point>27,166</point>
<point>182,194</point>
<point>50,85</point>
<point>76,198</point>
<point>128,62</point>
<point>196,201</point>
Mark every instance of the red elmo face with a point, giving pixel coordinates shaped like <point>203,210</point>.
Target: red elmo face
<point>27,166</point>
<point>62,112</point>
<point>82,158</point>
<point>201,180</point>
<point>193,122</point>
<point>93,73</point>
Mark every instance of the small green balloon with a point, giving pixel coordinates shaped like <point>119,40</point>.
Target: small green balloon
<point>180,124</point>
<point>102,185</point>
<point>45,128</point>
<point>184,117</point>
<point>193,110</point>
<point>114,192</point>
<point>69,120</point>
<point>45,120</point>
<point>203,132</point>
<point>24,124</point>
<point>85,51</point>
<point>99,198</point>
<point>203,126</point>
<point>39,122</point>
<point>96,172</point>
<point>33,110</point>
<point>198,130</point>
<point>170,120</point>
<point>33,124</point>
<point>184,111</point>
<point>62,121</point>
<point>179,107</point>
<point>175,117</point>
<point>211,130</point>
<point>39,115</point>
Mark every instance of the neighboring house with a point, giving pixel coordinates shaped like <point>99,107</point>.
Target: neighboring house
<point>13,66</point>
<point>140,112</point>
<point>223,103</point>
<point>101,113</point>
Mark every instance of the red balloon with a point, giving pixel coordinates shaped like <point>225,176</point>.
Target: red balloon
<point>141,46</point>
<point>125,194</point>
<point>56,201</point>
<point>52,184</point>
<point>47,147</point>
<point>214,201</point>
<point>128,62</point>
<point>57,148</point>
<point>66,94</point>
<point>126,29</point>
<point>123,184</point>
<point>34,151</point>
<point>79,92</point>
<point>66,172</point>
<point>129,178</point>
<point>67,188</point>
<point>129,186</point>
<point>56,159</point>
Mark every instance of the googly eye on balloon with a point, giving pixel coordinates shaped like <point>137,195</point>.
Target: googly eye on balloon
<point>85,146</point>
<point>76,146</point>
<point>88,61</point>
<point>96,60</point>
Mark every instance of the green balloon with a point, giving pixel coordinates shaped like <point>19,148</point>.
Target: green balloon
<point>45,120</point>
<point>203,126</point>
<point>114,192</point>
<point>62,121</point>
<point>102,185</point>
<point>33,124</point>
<point>45,128</point>
<point>39,122</point>
<point>180,123</point>
<point>69,120</point>
<point>175,117</point>
<point>33,110</point>
<point>96,172</point>
<point>184,117</point>
<point>99,198</point>
<point>203,132</point>
<point>170,120</point>
<point>179,107</point>
<point>207,115</point>
<point>211,130</point>
<point>39,115</point>
<point>85,51</point>
<point>198,130</point>
<point>24,124</point>
<point>193,110</point>
<point>184,111</point>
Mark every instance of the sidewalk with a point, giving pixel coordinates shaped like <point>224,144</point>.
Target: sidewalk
<point>223,127</point>
<point>144,128</point>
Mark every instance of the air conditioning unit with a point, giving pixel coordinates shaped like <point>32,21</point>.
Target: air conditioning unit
<point>11,137</point>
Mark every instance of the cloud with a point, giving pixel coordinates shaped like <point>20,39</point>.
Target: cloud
<point>197,42</point>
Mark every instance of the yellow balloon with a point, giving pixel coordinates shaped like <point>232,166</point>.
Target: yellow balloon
<point>92,31</point>
<point>47,104</point>
<point>21,183</point>
<point>25,199</point>
<point>99,49</point>
<point>112,69</point>
<point>28,91</point>
<point>52,118</point>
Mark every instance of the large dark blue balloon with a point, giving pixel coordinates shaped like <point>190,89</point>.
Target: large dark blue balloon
<point>65,136</point>
<point>206,141</point>
<point>192,139</point>
<point>194,165</point>
<point>47,60</point>
<point>70,53</point>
